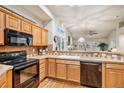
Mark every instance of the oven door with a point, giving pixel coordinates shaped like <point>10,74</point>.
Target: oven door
<point>26,77</point>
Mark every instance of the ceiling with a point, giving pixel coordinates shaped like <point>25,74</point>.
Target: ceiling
<point>84,20</point>
<point>33,11</point>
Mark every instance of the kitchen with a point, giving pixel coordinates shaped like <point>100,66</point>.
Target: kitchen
<point>41,47</point>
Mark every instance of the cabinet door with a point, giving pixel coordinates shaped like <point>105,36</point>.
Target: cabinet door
<point>26,27</point>
<point>114,78</point>
<point>51,68</point>
<point>73,73</point>
<point>2,26</point>
<point>13,22</point>
<point>61,71</point>
<point>36,36</point>
<point>44,37</point>
<point>43,69</point>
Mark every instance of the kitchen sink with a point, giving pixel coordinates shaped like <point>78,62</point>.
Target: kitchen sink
<point>67,56</point>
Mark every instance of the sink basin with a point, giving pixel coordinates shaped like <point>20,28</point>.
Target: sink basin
<point>67,56</point>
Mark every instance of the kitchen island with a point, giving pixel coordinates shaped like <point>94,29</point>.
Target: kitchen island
<point>68,68</point>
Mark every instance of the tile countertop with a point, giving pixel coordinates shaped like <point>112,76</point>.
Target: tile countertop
<point>4,68</point>
<point>78,58</point>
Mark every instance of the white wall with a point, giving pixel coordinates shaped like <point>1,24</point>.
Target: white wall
<point>52,27</point>
<point>112,40</point>
<point>121,42</point>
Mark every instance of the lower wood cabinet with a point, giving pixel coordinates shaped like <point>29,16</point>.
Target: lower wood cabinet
<point>68,70</point>
<point>73,73</point>
<point>114,76</point>
<point>43,69</point>
<point>2,26</point>
<point>51,68</point>
<point>6,79</point>
<point>61,71</point>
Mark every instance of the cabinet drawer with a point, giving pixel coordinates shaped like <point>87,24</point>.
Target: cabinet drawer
<point>68,62</point>
<point>51,60</point>
<point>2,79</point>
<point>115,66</point>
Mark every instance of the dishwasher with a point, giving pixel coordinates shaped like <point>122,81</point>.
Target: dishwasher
<point>91,74</point>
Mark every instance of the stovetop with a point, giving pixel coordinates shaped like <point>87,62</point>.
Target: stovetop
<point>17,62</point>
<point>15,59</point>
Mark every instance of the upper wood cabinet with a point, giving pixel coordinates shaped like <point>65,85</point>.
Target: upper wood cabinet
<point>73,73</point>
<point>37,35</point>
<point>12,22</point>
<point>26,27</point>
<point>44,37</point>
<point>2,26</point>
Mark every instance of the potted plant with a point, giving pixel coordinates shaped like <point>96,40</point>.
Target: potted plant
<point>103,46</point>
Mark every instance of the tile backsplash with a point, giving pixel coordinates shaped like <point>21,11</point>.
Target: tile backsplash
<point>29,49</point>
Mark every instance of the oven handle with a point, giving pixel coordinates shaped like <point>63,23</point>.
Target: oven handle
<point>25,65</point>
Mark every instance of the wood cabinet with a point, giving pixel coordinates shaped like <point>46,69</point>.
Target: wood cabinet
<point>114,76</point>
<point>13,23</point>
<point>68,70</point>
<point>44,37</point>
<point>26,27</point>
<point>6,79</point>
<point>51,68</point>
<point>43,69</point>
<point>61,71</point>
<point>73,73</point>
<point>2,26</point>
<point>37,35</point>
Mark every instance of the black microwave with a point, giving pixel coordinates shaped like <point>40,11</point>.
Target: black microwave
<point>15,38</point>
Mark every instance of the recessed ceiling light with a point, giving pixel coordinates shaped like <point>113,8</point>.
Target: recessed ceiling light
<point>71,5</point>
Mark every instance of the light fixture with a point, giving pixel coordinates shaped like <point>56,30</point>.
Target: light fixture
<point>81,39</point>
<point>71,5</point>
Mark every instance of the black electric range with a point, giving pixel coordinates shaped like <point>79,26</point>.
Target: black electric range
<point>25,71</point>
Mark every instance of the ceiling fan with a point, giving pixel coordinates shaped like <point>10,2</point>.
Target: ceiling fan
<point>92,33</point>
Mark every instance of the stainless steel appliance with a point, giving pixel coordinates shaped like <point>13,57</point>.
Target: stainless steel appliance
<point>25,71</point>
<point>15,38</point>
<point>91,74</point>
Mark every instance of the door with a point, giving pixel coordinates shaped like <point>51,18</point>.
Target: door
<point>73,73</point>
<point>29,74</point>
<point>2,26</point>
<point>37,36</point>
<point>26,27</point>
<point>44,37</point>
<point>83,74</point>
<point>114,78</point>
<point>13,22</point>
<point>61,71</point>
<point>94,75</point>
<point>51,68</point>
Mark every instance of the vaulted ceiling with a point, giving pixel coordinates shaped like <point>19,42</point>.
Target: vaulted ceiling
<point>89,21</point>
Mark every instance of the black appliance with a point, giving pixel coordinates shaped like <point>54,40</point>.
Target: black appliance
<point>25,71</point>
<point>91,74</point>
<point>16,38</point>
